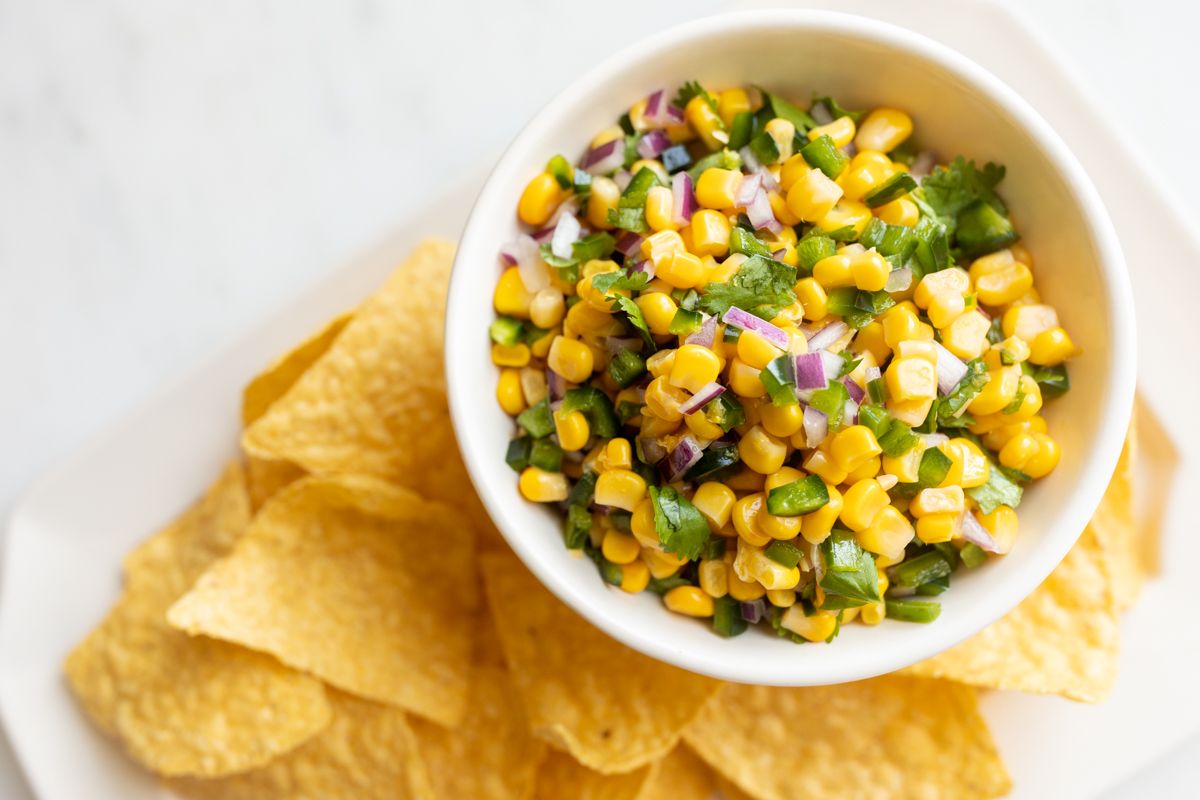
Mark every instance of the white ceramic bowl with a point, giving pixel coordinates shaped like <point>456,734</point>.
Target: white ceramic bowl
<point>958,107</point>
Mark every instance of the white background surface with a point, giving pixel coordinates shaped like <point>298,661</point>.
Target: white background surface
<point>170,171</point>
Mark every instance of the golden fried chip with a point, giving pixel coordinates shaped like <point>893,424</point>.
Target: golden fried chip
<point>375,403</point>
<point>183,705</point>
<point>1156,467</point>
<point>562,777</point>
<point>1114,524</point>
<point>882,738</point>
<point>283,372</point>
<point>1062,639</point>
<point>611,707</point>
<point>680,775</point>
<point>266,476</point>
<point>491,754</point>
<point>363,584</point>
<point>368,752</point>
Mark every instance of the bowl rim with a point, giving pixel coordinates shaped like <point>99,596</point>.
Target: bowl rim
<point>1078,507</point>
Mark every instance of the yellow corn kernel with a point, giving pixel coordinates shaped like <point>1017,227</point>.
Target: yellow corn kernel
<point>793,168</point>
<point>870,271</point>
<point>872,613</point>
<point>706,122</point>
<point>641,523</point>
<point>547,308</point>
<point>508,392</point>
<point>862,501</point>
<point>936,528</point>
<point>533,385</point>
<point>905,467</point>
<point>652,164</point>
<point>867,469</point>
<point>815,526</point>
<point>698,424</point>
<point>949,500</point>
<point>783,133</point>
<point>714,578</point>
<point>779,208</point>
<point>1051,347</point>
<point>710,233</point>
<point>781,598</point>
<point>1014,348</point>
<point>603,198</point>
<point>541,347</point>
<point>998,429</point>
<point>819,462</point>
<point>682,271</point>
<point>744,379</point>
<point>695,367</point>
<point>583,318</point>
<point>1002,524</point>
<point>541,197</point>
<point>953,281</point>
<point>716,187</point>
<point>662,565</point>
<point>744,591</point>
<point>1000,390</point>
<point>782,421</point>
<point>611,133</point>
<point>659,309</point>
<point>872,340</point>
<point>755,350</point>
<point>1046,458</point>
<point>620,548</point>
<point>900,211</point>
<point>660,209</point>
<point>841,130</point>
<point>1027,321</point>
<point>969,467</point>
<point>540,486</point>
<point>727,268</point>
<point>813,196</point>
<point>516,355</point>
<point>910,412</point>
<point>944,309</point>
<point>999,279</point>
<point>918,348</point>
<point>762,452</point>
<point>635,577</point>
<point>511,297</point>
<point>661,363</point>
<point>618,454</point>
<point>884,129</point>
<point>911,379</point>
<point>900,323</point>
<point>867,170</point>
<point>782,477</point>
<point>663,399</point>
<point>846,214</point>
<point>817,627</point>
<point>732,102</point>
<point>853,447</point>
<point>571,359</point>
<point>658,247</point>
<point>966,336</point>
<point>745,518</point>
<point>715,501</point>
<point>572,430</point>
<point>834,272</point>
<point>888,534</point>
<point>690,601</point>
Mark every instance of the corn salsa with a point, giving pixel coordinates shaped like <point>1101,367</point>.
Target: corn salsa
<point>779,366</point>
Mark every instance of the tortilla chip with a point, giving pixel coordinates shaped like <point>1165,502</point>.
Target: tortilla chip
<point>265,478</point>
<point>283,372</point>
<point>368,752</point>
<point>1155,468</point>
<point>882,738</point>
<point>1062,639</point>
<point>611,707</point>
<point>375,403</point>
<point>182,705</point>
<point>680,775</point>
<point>365,585</point>
<point>561,777</point>
<point>1114,524</point>
<point>491,754</point>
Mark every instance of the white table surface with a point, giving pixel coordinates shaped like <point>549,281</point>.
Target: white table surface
<point>169,171</point>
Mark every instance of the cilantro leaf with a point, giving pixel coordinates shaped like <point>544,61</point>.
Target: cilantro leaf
<point>762,286</point>
<point>788,110</point>
<point>836,110</point>
<point>690,90</point>
<point>634,315</point>
<point>964,391</point>
<point>1000,490</point>
<point>607,282</point>
<point>950,189</point>
<point>679,524</point>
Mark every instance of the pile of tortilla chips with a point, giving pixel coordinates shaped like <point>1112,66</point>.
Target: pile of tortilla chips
<point>332,620</point>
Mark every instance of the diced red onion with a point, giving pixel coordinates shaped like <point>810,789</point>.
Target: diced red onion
<point>933,439</point>
<point>707,335</point>
<point>616,344</point>
<point>566,233</point>
<point>973,531</point>
<point>543,235</point>
<point>873,373</point>
<point>653,143</point>
<point>622,179</point>
<point>748,322</point>
<point>569,207</point>
<point>923,164</point>
<point>651,450</point>
<point>707,393</point>
<point>899,280</point>
<point>684,197</point>
<point>508,256</point>
<point>675,114</point>
<point>816,426</point>
<point>768,180</point>
<point>850,149</point>
<point>606,158</point>
<point>856,392</point>
<point>850,413</point>
<point>654,105</point>
<point>753,611</point>
<point>535,275</point>
<point>642,266</point>
<point>660,112</point>
<point>760,214</point>
<point>629,244</point>
<point>831,362</point>
<point>749,160</point>
<point>556,386</point>
<point>950,369</point>
<point>827,335</point>
<point>821,114</point>
<point>750,186</point>
<point>778,254</point>
<point>681,458</point>
<point>810,372</point>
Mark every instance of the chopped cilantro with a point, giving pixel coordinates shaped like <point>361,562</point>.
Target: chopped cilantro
<point>679,524</point>
<point>692,89</point>
<point>836,110</point>
<point>1000,490</point>
<point>762,286</point>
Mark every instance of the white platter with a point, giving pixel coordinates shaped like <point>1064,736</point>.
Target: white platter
<point>66,536</point>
